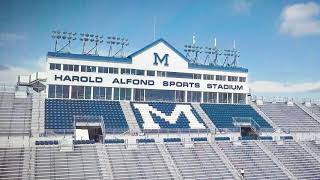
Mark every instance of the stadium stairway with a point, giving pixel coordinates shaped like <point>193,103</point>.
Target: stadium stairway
<point>38,114</point>
<point>169,161</point>
<point>312,147</point>
<point>104,161</point>
<point>298,161</point>
<point>15,115</point>
<point>204,117</point>
<point>130,117</point>
<point>309,111</point>
<point>256,163</point>
<point>290,118</point>
<point>264,116</point>
<point>145,162</point>
<point>315,109</point>
<point>198,162</point>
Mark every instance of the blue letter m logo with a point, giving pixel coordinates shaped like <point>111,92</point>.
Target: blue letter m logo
<point>161,60</point>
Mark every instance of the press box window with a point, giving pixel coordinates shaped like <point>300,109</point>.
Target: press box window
<point>58,91</point>
<point>220,78</point>
<point>151,73</point>
<point>196,76</point>
<point>113,70</point>
<point>88,69</point>
<point>232,78</point>
<point>242,79</point>
<point>161,73</point>
<point>208,77</point>
<point>54,66</point>
<point>125,71</point>
<point>69,67</point>
<point>140,72</point>
<point>103,70</point>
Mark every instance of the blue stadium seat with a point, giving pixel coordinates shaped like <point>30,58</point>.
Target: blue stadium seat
<point>114,141</point>
<point>221,114</point>
<point>172,140</point>
<point>265,138</point>
<point>182,122</point>
<point>60,112</point>
<point>199,139</point>
<point>222,138</point>
<point>145,140</point>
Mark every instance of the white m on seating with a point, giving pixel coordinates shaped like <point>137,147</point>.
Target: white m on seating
<point>149,123</point>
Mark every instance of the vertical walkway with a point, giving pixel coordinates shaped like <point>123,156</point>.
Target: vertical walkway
<point>204,117</point>
<point>130,117</point>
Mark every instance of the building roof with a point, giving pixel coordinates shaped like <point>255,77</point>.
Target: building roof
<point>128,60</point>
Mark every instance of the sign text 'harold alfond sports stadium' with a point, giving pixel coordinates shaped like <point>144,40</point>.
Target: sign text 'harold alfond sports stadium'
<point>129,81</point>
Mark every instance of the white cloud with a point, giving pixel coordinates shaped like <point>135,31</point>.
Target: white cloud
<point>242,6</point>
<point>278,87</point>
<point>301,19</point>
<point>9,74</point>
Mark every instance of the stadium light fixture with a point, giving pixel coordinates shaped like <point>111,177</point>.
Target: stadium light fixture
<point>117,41</point>
<point>65,37</point>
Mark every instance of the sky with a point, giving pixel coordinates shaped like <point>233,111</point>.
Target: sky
<point>279,41</point>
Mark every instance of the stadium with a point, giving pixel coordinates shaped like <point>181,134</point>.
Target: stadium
<point>157,113</point>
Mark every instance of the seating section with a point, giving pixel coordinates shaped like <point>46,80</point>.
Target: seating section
<point>253,160</point>
<point>50,142</point>
<point>11,163</point>
<point>290,118</point>
<point>82,163</point>
<point>15,115</point>
<point>298,161</point>
<point>315,109</point>
<point>315,147</point>
<point>146,162</point>
<point>198,162</point>
<point>60,112</point>
<point>222,114</point>
<point>165,116</point>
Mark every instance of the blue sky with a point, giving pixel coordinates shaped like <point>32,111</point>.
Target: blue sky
<point>279,40</point>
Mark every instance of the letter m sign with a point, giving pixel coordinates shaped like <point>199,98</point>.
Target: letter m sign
<point>163,60</point>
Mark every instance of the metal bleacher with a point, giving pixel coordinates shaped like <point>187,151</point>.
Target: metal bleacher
<point>145,162</point>
<point>81,163</point>
<point>15,114</point>
<point>314,147</point>
<point>290,118</point>
<point>11,163</point>
<point>198,162</point>
<point>249,156</point>
<point>315,109</point>
<point>297,160</point>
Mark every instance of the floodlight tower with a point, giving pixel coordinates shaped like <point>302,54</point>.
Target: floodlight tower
<point>123,42</point>
<point>113,42</point>
<point>214,51</point>
<point>227,54</point>
<point>90,38</point>
<point>66,37</point>
<point>84,37</point>
<point>193,52</point>
<point>236,55</point>
<point>96,39</point>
